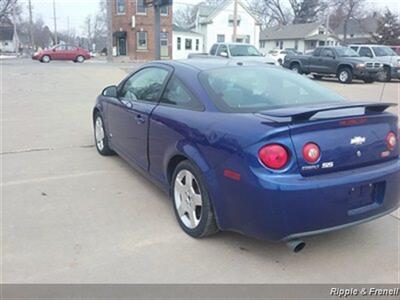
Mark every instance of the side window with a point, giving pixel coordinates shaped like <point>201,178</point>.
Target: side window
<point>213,49</point>
<point>71,48</point>
<point>327,53</point>
<point>178,95</point>
<point>355,48</point>
<point>317,52</point>
<point>365,51</point>
<point>61,48</point>
<point>222,48</point>
<point>146,85</point>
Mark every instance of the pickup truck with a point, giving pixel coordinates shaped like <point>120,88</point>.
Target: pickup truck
<point>236,52</point>
<point>384,55</point>
<point>342,62</point>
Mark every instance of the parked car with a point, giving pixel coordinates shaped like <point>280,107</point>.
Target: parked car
<point>396,49</point>
<point>383,54</point>
<point>280,54</point>
<point>236,52</point>
<point>342,62</point>
<point>254,149</point>
<point>62,52</point>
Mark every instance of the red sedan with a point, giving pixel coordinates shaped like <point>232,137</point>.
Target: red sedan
<point>62,52</point>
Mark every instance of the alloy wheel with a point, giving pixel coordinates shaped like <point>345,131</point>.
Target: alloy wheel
<point>99,133</point>
<point>343,76</point>
<point>188,198</point>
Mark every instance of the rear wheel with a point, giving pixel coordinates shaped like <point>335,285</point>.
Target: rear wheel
<point>295,68</point>
<point>192,205</point>
<point>80,59</point>
<point>46,59</point>
<point>345,75</point>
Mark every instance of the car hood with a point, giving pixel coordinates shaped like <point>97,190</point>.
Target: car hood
<point>254,59</point>
<point>388,59</point>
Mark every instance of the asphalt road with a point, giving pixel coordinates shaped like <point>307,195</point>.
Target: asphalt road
<point>72,216</point>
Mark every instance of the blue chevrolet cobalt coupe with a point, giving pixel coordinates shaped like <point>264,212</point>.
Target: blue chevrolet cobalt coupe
<point>252,148</point>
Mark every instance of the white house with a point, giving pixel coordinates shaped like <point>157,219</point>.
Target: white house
<point>6,36</point>
<point>215,24</point>
<point>185,41</point>
<point>302,37</point>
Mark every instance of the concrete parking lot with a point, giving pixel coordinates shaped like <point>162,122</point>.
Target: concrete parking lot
<point>71,216</point>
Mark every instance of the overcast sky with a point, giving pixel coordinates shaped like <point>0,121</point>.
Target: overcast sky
<point>77,10</point>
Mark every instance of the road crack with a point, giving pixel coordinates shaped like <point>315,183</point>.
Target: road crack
<point>45,149</point>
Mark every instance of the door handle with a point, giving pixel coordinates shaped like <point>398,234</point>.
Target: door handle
<point>140,119</point>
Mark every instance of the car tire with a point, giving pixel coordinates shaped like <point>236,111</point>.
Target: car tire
<point>192,205</point>
<point>369,80</point>
<point>280,61</point>
<point>345,75</point>
<point>318,77</point>
<point>80,59</point>
<point>295,68</point>
<point>100,136</point>
<point>45,59</point>
<point>385,75</point>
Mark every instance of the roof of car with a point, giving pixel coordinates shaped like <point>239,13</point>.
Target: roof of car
<point>367,45</point>
<point>200,64</point>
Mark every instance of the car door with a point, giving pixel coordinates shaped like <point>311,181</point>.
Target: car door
<point>71,53</point>
<point>59,53</point>
<point>314,61</point>
<point>128,116</point>
<point>327,61</point>
<point>222,51</point>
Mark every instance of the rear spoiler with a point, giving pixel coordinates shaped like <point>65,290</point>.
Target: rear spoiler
<point>304,113</point>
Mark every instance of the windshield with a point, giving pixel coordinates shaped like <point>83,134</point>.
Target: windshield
<point>243,50</point>
<point>383,51</point>
<point>346,52</point>
<point>257,88</point>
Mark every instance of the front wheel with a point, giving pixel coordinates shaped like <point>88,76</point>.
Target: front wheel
<point>100,137</point>
<point>345,75</point>
<point>295,68</point>
<point>46,59</point>
<point>193,208</point>
<point>80,59</point>
<point>385,75</point>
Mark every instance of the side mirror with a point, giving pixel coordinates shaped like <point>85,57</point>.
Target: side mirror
<point>110,91</point>
<point>224,54</point>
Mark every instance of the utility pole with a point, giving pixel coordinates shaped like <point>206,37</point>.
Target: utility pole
<point>68,37</point>
<point>157,12</point>
<point>15,34</point>
<point>235,7</point>
<point>55,23</point>
<point>31,38</point>
<point>109,31</point>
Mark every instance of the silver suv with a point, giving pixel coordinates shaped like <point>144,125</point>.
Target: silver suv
<point>383,54</point>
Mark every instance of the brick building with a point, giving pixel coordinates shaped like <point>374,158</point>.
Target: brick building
<point>133,30</point>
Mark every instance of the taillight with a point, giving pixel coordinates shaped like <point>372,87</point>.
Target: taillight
<point>311,153</point>
<point>274,156</point>
<point>391,140</point>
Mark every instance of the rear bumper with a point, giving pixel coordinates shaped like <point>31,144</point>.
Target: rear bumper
<point>285,207</point>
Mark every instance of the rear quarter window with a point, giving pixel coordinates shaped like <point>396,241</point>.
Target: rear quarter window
<point>178,95</point>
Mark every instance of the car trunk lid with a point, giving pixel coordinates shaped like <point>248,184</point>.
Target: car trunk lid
<point>348,135</point>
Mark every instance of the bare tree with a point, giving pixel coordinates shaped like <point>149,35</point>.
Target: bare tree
<point>351,9</point>
<point>271,12</point>
<point>185,16</point>
<point>6,8</point>
<point>307,11</point>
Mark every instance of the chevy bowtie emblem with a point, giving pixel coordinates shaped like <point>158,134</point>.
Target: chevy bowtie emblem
<point>358,140</point>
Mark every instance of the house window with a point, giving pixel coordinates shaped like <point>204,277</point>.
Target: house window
<point>120,7</point>
<point>321,31</point>
<point>230,21</point>
<point>220,38</point>
<point>280,44</point>
<point>164,39</point>
<point>141,40</point>
<point>178,43</point>
<point>164,10</point>
<point>296,44</point>
<point>247,39</point>
<point>188,44</point>
<point>262,44</point>
<point>197,44</point>
<point>276,44</point>
<point>140,7</point>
